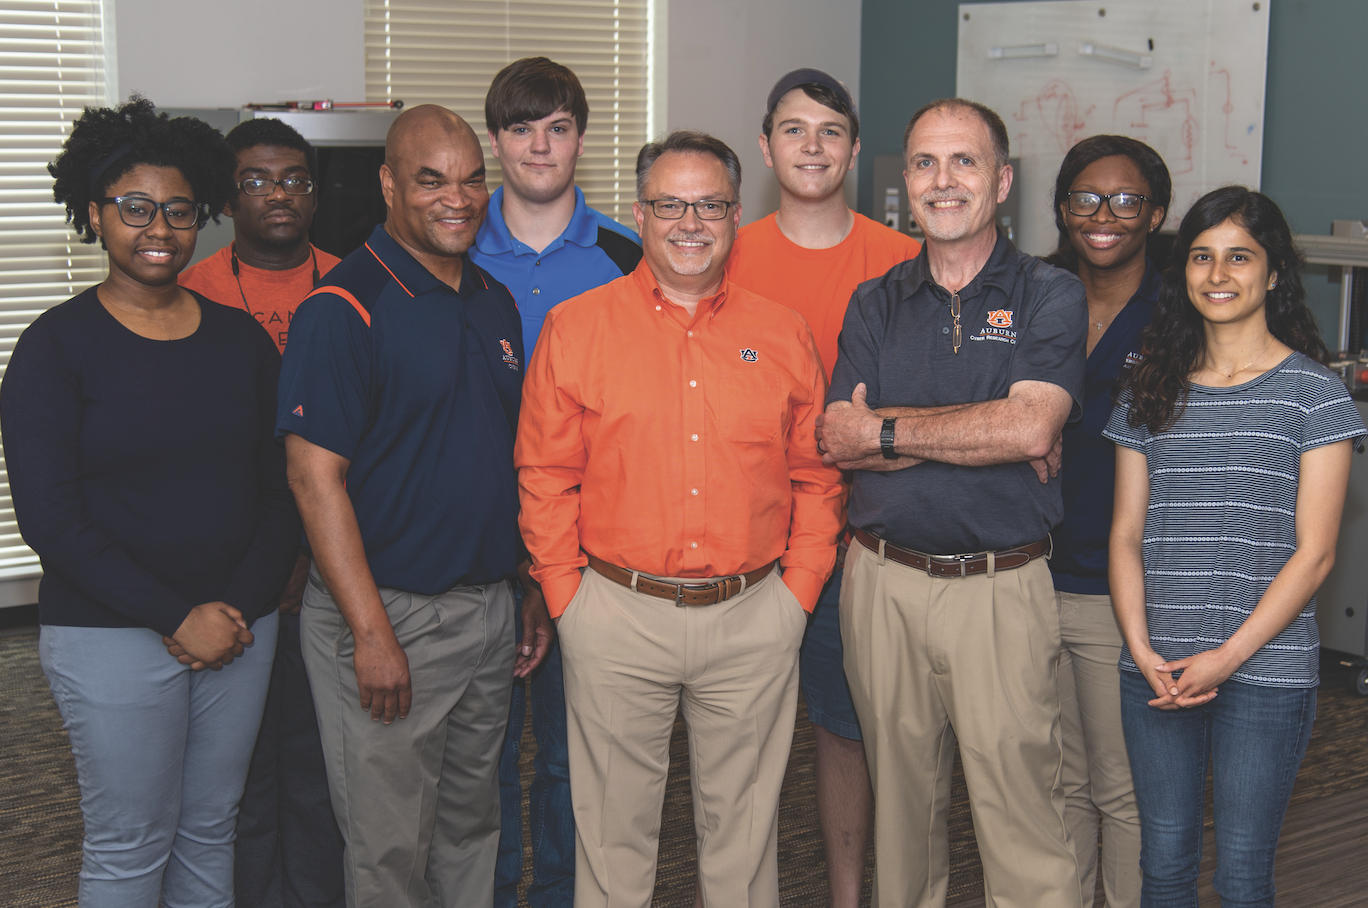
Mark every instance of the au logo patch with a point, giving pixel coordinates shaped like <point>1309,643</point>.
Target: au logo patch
<point>1000,318</point>
<point>509,359</point>
<point>298,411</point>
<point>749,355</point>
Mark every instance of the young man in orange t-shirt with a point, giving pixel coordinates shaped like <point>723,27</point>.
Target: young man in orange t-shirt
<point>270,265</point>
<point>287,838</point>
<point>810,255</point>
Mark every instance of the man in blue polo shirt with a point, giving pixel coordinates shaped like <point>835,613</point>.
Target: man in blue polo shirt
<point>546,245</point>
<point>399,405</point>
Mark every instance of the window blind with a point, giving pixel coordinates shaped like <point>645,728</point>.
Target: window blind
<point>51,66</point>
<point>448,51</point>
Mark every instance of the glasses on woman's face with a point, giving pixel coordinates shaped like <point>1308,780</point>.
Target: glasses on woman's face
<point>136,211</point>
<point>1124,205</point>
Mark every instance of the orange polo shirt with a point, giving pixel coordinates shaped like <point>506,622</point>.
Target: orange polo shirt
<point>271,296</point>
<point>675,446</point>
<point>816,283</point>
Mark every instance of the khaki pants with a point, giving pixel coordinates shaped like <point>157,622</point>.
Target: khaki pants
<point>1097,776</point>
<point>931,660</point>
<point>417,800</point>
<point>631,661</point>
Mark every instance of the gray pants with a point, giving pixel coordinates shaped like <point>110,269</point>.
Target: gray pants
<point>418,800</point>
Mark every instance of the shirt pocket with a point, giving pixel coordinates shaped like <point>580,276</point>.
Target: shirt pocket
<point>750,409</point>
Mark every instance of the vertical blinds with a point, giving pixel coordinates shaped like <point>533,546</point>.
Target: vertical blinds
<point>448,51</point>
<point>51,66</point>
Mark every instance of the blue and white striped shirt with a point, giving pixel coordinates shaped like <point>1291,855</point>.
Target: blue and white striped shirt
<point>1221,520</point>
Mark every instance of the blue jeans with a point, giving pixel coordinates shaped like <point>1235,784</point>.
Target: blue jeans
<point>161,759</point>
<point>821,667</point>
<point>1255,737</point>
<point>552,818</point>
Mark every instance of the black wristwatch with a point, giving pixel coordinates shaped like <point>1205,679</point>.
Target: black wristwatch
<point>887,437</point>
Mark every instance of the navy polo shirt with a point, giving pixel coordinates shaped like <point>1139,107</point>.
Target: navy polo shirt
<point>418,385</point>
<point>1079,563</point>
<point>1021,320</point>
<point>592,250</point>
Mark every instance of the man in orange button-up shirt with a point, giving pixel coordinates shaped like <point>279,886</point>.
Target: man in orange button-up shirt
<point>667,462</point>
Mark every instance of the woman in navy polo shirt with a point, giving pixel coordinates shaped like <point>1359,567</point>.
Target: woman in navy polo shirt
<point>1111,193</point>
<point>139,434</point>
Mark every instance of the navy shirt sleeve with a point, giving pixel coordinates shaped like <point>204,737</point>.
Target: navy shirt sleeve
<point>257,579</point>
<point>40,411</point>
<point>857,348</point>
<point>326,376</point>
<point>1053,343</point>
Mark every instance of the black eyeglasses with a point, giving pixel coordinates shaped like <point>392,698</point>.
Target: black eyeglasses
<point>136,211</point>
<point>292,185</point>
<point>674,209</point>
<point>1124,205</point>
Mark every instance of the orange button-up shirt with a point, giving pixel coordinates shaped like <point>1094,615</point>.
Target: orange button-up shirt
<point>674,445</point>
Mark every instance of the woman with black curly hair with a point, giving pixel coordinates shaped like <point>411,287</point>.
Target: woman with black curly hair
<point>138,426</point>
<point>1232,461</point>
<point>1112,192</point>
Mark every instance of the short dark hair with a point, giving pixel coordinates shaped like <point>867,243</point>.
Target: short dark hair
<point>107,142</point>
<point>531,89</point>
<point>1094,148</point>
<point>827,98</point>
<point>687,141</point>
<point>273,133</point>
<point>996,128</point>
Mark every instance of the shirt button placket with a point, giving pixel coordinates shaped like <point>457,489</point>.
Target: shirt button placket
<point>695,455</point>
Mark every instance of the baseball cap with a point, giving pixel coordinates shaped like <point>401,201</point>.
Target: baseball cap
<point>798,77</point>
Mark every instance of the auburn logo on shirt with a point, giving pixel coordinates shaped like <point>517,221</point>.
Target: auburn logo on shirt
<point>509,359</point>
<point>1000,318</point>
<point>749,355</point>
<point>298,411</point>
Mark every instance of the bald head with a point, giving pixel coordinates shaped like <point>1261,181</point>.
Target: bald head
<point>433,181</point>
<point>424,124</point>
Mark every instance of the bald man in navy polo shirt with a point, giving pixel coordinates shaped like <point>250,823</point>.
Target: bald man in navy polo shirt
<point>398,405</point>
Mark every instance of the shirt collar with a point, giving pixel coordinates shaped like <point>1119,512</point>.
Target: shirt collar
<point>996,272</point>
<point>409,272</point>
<point>494,237</point>
<point>649,288</point>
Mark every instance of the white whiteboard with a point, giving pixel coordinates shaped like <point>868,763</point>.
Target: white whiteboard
<point>1199,102</point>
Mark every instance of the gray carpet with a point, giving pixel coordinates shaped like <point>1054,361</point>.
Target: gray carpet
<point>40,821</point>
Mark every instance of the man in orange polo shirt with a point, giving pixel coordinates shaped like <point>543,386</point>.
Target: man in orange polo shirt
<point>667,463</point>
<point>811,255</point>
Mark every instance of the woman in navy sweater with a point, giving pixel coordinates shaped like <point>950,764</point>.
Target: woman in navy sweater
<point>138,433</point>
<point>1111,193</point>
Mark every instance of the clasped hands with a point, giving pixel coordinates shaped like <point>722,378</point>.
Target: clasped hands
<point>211,636</point>
<point>1197,683</point>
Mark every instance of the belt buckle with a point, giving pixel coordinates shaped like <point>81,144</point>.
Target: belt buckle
<point>693,588</point>
<point>961,560</point>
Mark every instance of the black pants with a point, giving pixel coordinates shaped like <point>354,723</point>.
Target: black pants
<point>289,851</point>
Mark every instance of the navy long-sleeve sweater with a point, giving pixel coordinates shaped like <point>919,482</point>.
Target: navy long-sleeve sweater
<point>145,473</point>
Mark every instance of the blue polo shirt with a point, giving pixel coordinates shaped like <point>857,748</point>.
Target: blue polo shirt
<point>1079,563</point>
<point>593,250</point>
<point>418,385</point>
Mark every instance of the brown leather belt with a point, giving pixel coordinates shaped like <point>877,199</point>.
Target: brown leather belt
<point>956,565</point>
<point>681,594</point>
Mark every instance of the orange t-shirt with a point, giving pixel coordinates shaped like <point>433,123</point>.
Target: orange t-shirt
<point>675,446</point>
<point>816,283</point>
<point>271,296</point>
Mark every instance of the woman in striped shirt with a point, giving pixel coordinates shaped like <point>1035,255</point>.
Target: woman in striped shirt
<point>1233,450</point>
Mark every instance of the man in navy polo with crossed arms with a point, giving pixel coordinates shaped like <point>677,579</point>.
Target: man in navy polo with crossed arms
<point>399,405</point>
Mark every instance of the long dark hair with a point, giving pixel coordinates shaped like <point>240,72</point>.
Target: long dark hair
<point>1174,344</point>
<point>1094,148</point>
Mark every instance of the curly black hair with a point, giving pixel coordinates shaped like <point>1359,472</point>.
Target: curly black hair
<point>1174,344</point>
<point>1094,148</point>
<point>107,142</point>
<point>273,133</point>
